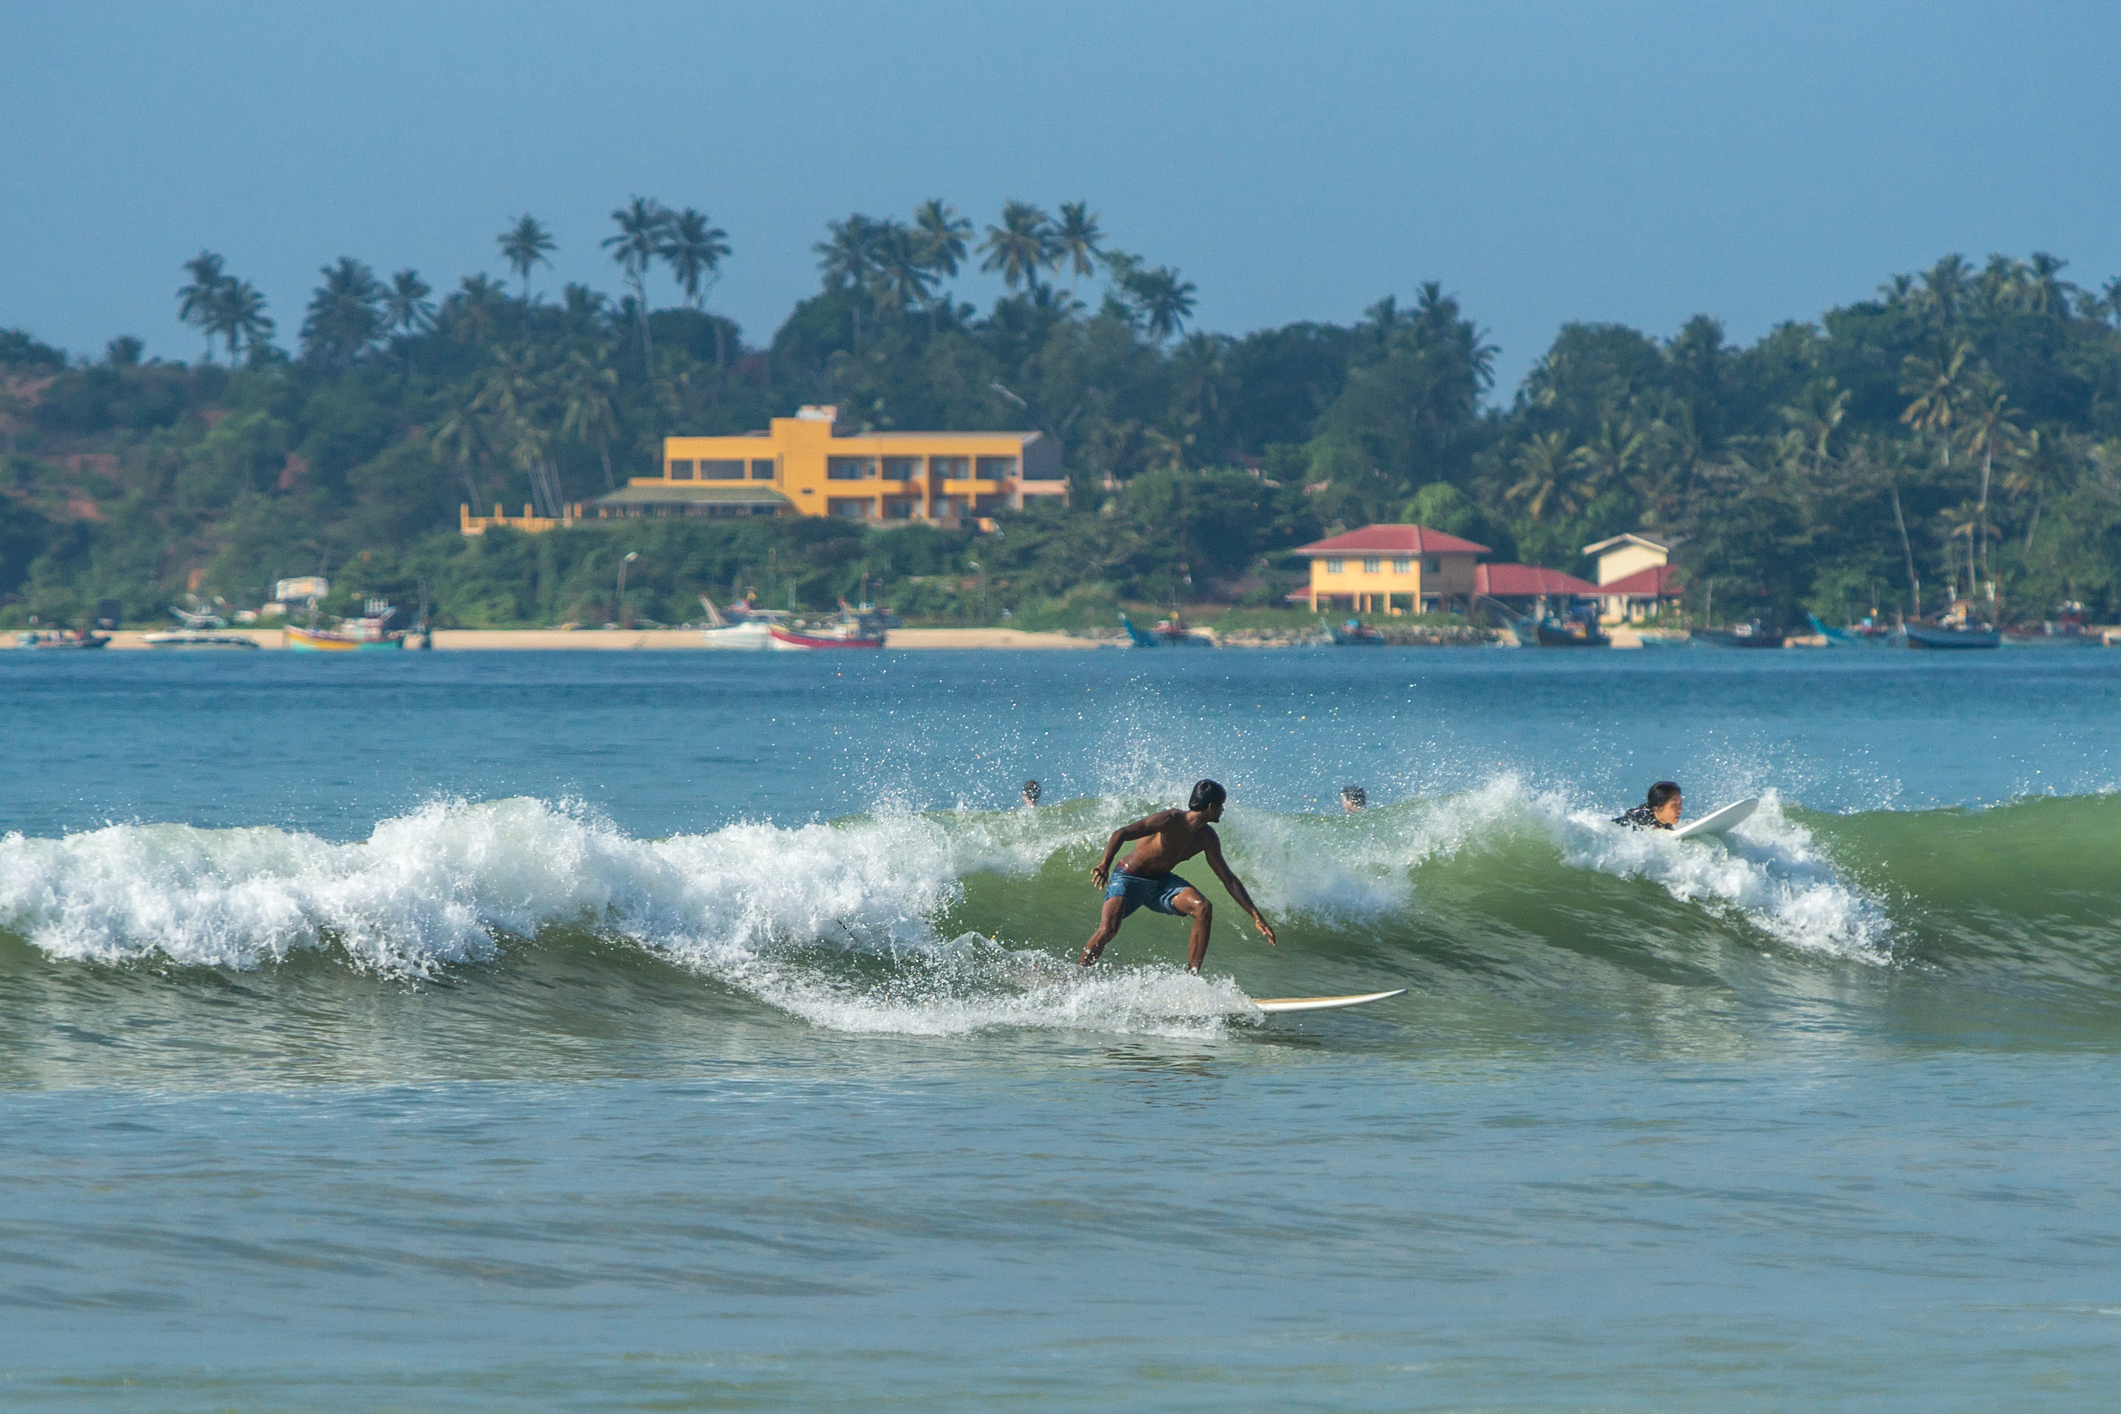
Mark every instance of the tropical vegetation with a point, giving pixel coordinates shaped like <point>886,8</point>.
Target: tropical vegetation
<point>1958,433</point>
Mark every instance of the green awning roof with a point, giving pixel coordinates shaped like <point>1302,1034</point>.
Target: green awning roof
<point>679,493</point>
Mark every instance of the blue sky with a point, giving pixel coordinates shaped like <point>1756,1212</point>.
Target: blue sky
<point>1546,163</point>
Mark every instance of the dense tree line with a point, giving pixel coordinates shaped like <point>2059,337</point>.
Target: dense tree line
<point>1962,429</point>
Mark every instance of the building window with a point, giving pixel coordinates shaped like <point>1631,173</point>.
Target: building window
<point>851,507</point>
<point>1431,566</point>
<point>762,469</point>
<point>995,468</point>
<point>1335,566</point>
<point>950,468</point>
<point>900,507</point>
<point>1402,565</point>
<point>902,468</point>
<point>681,469</point>
<point>850,468</point>
<point>1372,566</point>
<point>721,471</point>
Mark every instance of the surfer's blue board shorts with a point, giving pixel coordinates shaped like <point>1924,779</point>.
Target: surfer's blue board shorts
<point>1135,891</point>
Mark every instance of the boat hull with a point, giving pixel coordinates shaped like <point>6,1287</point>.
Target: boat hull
<point>1739,640</point>
<point>738,638</point>
<point>305,640</point>
<point>788,640</point>
<point>189,640</point>
<point>1952,638</point>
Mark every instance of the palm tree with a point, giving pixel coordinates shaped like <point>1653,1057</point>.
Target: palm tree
<point>1938,389</point>
<point>345,315</point>
<point>848,258</point>
<point>1608,458</point>
<point>2046,291</point>
<point>1021,246</point>
<point>1944,287</point>
<point>461,440</point>
<point>514,396</point>
<point>1817,418</point>
<point>640,240</point>
<point>472,313</point>
<point>238,316</point>
<point>1988,428</point>
<point>1548,468</point>
<point>588,385</point>
<point>523,246</point>
<point>693,247</point>
<point>195,301</point>
<point>1076,242</point>
<point>943,234</point>
<point>1165,301</point>
<point>2039,461</point>
<point>903,277</point>
<point>407,310</point>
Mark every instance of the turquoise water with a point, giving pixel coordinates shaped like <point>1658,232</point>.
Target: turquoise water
<point>679,1031</point>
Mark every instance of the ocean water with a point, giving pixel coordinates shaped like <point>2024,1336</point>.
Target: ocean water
<point>689,1031</point>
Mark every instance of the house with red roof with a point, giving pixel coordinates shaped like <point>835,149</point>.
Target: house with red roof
<point>1635,575</point>
<point>1380,567</point>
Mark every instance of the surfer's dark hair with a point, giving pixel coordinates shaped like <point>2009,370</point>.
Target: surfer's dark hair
<point>1031,791</point>
<point>1205,794</point>
<point>1662,792</point>
<point>1355,793</point>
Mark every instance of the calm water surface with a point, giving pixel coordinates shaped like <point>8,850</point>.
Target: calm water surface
<point>686,1031</point>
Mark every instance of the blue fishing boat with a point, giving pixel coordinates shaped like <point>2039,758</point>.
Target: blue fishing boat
<point>1136,638</point>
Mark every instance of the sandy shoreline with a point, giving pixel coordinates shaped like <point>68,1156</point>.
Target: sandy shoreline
<point>450,640</point>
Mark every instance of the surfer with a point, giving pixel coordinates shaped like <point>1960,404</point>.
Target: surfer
<point>1031,794</point>
<point>1169,838</point>
<point>1354,798</point>
<point>1659,812</point>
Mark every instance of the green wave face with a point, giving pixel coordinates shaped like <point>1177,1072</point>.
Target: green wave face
<point>464,934</point>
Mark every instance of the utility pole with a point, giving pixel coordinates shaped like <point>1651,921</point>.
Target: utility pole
<point>625,618</point>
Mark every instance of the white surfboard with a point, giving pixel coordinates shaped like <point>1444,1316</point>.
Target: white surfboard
<point>1717,821</point>
<point>1322,1003</point>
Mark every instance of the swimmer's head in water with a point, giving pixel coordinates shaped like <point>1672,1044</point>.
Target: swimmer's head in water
<point>1353,797</point>
<point>1031,792</point>
<point>1664,801</point>
<point>1207,796</point>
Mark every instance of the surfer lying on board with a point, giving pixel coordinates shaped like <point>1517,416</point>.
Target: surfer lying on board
<point>1659,812</point>
<point>1169,838</point>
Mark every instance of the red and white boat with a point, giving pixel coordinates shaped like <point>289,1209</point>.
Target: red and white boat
<point>852,629</point>
<point>839,635</point>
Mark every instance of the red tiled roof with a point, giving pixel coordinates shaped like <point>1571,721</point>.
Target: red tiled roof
<point>1658,582</point>
<point>1513,581</point>
<point>1392,540</point>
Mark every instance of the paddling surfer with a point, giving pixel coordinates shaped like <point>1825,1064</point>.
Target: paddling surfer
<point>1169,838</point>
<point>1659,812</point>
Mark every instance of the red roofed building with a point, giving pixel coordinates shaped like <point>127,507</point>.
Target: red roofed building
<point>1371,569</point>
<point>1527,582</point>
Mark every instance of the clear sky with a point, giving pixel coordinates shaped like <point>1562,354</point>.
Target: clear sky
<point>1632,162</point>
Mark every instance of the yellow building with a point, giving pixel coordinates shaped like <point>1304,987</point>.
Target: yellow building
<point>1635,575</point>
<point>808,466</point>
<point>1372,569</point>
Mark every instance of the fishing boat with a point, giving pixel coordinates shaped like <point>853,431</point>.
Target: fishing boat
<point>1355,633</point>
<point>1868,634</point>
<point>1570,631</point>
<point>851,629</point>
<point>2064,630</point>
<point>743,628</point>
<point>1173,633</point>
<point>368,633</point>
<point>1136,638</point>
<point>193,638</point>
<point>62,638</point>
<point>1952,636</point>
<point>1752,635</point>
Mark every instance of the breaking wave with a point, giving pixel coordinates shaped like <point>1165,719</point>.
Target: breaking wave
<point>967,921</point>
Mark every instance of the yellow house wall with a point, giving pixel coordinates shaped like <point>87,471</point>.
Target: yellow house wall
<point>1453,576</point>
<point>800,448</point>
<point>1624,560</point>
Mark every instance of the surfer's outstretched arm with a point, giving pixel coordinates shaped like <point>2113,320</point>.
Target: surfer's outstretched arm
<point>1236,886</point>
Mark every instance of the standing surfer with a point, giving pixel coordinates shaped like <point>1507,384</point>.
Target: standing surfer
<point>1169,838</point>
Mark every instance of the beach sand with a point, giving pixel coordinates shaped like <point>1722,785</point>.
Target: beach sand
<point>451,640</point>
